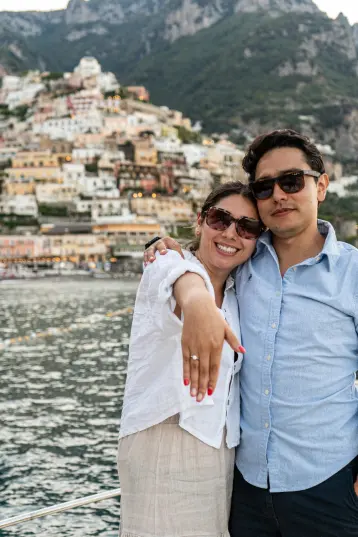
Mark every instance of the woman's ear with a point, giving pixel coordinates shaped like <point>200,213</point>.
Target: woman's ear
<point>199,222</point>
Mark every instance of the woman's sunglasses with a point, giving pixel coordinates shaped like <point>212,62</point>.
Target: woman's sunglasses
<point>219,219</point>
<point>290,183</point>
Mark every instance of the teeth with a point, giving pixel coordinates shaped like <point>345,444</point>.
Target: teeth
<point>227,249</point>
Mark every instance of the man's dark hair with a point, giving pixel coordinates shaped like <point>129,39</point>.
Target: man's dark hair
<point>281,138</point>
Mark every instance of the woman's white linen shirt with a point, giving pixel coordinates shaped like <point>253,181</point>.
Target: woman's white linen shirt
<point>154,388</point>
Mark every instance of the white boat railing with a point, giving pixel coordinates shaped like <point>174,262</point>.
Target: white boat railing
<point>60,508</point>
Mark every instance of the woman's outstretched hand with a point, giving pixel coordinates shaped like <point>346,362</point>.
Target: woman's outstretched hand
<point>162,246</point>
<point>204,333</point>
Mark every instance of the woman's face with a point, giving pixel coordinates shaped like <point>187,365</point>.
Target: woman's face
<point>224,250</point>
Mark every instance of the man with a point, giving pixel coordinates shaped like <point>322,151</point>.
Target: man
<point>297,464</point>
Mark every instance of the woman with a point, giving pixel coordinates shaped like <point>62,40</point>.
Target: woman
<point>176,454</point>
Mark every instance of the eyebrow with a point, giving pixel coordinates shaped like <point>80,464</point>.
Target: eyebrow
<point>283,172</point>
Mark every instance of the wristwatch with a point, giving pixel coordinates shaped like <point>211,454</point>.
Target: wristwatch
<point>151,242</point>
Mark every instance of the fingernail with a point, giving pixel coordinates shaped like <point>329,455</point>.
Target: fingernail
<point>210,391</point>
<point>152,258</point>
<point>193,392</point>
<point>163,252</point>
<point>186,382</point>
<point>242,349</point>
<point>200,397</point>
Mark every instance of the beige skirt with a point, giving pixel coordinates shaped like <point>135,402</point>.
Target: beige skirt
<point>174,485</point>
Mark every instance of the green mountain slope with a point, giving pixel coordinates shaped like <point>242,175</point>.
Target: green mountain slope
<point>240,70</point>
<point>252,67</point>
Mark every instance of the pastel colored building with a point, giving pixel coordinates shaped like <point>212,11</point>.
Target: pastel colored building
<point>163,208</point>
<point>19,205</point>
<point>34,159</point>
<point>137,177</point>
<point>18,187</point>
<point>19,246</point>
<point>140,92</point>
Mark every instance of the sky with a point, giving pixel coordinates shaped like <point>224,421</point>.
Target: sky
<point>348,7</point>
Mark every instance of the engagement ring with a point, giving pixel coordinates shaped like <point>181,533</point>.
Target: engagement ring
<point>194,357</point>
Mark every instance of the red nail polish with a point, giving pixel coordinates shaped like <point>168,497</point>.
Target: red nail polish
<point>186,382</point>
<point>242,349</point>
<point>210,391</point>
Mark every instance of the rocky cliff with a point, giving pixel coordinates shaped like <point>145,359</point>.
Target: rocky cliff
<point>240,65</point>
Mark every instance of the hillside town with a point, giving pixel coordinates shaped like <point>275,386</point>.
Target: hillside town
<point>90,170</point>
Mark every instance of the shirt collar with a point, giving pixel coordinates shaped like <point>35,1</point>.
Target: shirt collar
<point>230,282</point>
<point>330,249</point>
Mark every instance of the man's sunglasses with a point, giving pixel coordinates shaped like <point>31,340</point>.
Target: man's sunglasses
<point>290,183</point>
<point>219,219</point>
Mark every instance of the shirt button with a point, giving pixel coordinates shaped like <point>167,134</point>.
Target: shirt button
<point>266,425</point>
<point>318,258</point>
<point>273,325</point>
<point>278,293</point>
<point>267,392</point>
<point>268,358</point>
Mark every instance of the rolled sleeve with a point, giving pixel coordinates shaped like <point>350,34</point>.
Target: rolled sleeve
<point>165,291</point>
<point>161,276</point>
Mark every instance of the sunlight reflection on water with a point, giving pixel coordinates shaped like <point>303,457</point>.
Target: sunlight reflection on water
<point>60,402</point>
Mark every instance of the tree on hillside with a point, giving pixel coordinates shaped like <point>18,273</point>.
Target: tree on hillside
<point>188,137</point>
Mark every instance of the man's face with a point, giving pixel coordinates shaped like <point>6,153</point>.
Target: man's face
<point>287,215</point>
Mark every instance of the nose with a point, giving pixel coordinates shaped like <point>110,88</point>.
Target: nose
<point>230,232</point>
<point>278,193</point>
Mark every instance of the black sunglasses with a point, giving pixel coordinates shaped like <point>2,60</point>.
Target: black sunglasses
<point>219,219</point>
<point>290,183</point>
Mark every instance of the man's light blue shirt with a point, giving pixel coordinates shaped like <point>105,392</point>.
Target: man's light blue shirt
<point>299,404</point>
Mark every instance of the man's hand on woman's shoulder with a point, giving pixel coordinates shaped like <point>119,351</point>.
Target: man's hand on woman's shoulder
<point>161,246</point>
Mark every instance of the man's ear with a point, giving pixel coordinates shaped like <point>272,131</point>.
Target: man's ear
<point>322,187</point>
